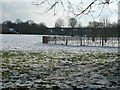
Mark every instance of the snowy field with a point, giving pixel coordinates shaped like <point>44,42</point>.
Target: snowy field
<point>34,43</point>
<point>29,64</point>
<point>66,70</point>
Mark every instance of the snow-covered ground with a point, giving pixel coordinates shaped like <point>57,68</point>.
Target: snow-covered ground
<point>34,43</point>
<point>44,70</point>
<point>62,68</point>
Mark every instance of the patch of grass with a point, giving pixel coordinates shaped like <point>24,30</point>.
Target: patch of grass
<point>20,58</point>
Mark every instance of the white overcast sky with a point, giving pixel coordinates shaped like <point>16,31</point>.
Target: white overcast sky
<point>24,10</point>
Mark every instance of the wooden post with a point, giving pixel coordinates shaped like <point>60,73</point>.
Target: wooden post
<point>81,41</point>
<point>66,40</point>
<point>102,41</point>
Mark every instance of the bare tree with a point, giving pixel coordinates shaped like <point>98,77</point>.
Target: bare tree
<point>42,25</point>
<point>59,23</point>
<point>106,22</point>
<point>79,25</point>
<point>18,21</point>
<point>72,24</point>
<point>30,22</point>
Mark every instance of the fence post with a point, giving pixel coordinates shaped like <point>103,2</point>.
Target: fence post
<point>80,40</point>
<point>66,40</point>
<point>102,41</point>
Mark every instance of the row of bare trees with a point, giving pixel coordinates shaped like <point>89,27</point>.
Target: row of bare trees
<point>30,27</point>
<point>73,23</point>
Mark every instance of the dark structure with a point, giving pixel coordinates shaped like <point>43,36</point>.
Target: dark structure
<point>84,36</point>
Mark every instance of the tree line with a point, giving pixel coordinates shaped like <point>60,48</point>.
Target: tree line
<point>101,28</point>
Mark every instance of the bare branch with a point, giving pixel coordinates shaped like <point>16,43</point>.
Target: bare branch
<point>36,3</point>
<point>86,8</point>
<point>62,4</point>
<point>101,10</point>
<point>76,10</point>
<point>52,6</point>
<point>109,9</point>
